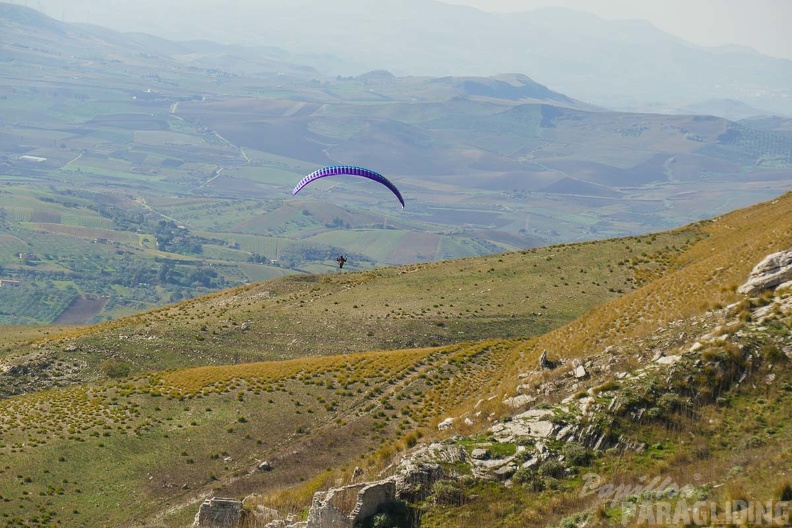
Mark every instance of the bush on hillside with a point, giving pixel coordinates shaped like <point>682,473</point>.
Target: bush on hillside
<point>115,368</point>
<point>552,468</point>
<point>577,454</point>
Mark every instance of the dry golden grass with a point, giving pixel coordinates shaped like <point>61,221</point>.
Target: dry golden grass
<point>702,277</point>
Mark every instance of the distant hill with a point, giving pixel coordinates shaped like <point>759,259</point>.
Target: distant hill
<point>75,41</point>
<point>774,123</point>
<point>730,109</point>
<point>514,87</point>
<point>621,64</point>
<point>24,17</point>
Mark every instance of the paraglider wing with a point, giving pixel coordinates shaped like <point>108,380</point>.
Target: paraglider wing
<point>334,170</point>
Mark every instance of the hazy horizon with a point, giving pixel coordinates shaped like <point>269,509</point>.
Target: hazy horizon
<point>759,25</point>
<point>632,56</point>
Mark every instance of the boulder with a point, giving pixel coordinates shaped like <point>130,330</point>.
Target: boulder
<point>479,454</point>
<point>417,473</point>
<point>505,471</point>
<point>218,512</point>
<point>350,506</point>
<point>415,480</point>
<point>446,424</point>
<point>774,270</point>
<point>544,362</point>
<point>518,401</point>
<point>667,360</point>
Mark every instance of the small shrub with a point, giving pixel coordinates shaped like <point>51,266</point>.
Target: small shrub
<point>577,454</point>
<point>552,468</point>
<point>393,514</point>
<point>735,491</point>
<point>771,352</point>
<point>669,403</point>
<point>700,449</point>
<point>575,520</point>
<point>528,478</point>
<point>115,368</point>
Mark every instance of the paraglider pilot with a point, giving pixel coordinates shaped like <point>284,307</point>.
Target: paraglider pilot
<point>341,259</point>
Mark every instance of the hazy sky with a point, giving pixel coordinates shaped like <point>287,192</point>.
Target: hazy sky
<point>764,25</point>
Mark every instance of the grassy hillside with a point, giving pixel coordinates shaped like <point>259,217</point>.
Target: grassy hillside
<point>149,446</point>
<point>124,451</point>
<point>504,296</point>
<point>703,277</point>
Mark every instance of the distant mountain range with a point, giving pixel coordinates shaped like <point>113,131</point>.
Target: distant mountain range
<point>731,109</point>
<point>619,64</point>
<point>502,132</point>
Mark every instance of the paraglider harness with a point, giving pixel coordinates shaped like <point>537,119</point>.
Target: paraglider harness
<point>341,259</point>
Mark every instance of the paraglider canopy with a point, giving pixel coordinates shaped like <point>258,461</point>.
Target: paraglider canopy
<point>351,170</point>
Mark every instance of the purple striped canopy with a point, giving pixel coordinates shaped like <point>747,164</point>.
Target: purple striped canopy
<point>335,170</point>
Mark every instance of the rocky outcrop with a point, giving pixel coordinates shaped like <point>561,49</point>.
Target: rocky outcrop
<point>417,473</point>
<point>772,271</point>
<point>545,363</point>
<point>521,400</point>
<point>218,512</point>
<point>412,482</point>
<point>533,424</point>
<point>349,506</point>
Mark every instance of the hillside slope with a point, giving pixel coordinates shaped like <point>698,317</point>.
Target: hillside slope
<point>153,445</point>
<point>510,295</point>
<point>666,406</point>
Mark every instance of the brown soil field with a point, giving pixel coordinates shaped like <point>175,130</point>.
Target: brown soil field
<point>81,310</point>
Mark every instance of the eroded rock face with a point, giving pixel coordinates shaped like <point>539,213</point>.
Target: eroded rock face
<point>351,505</point>
<point>772,271</point>
<point>218,512</point>
<point>532,424</point>
<point>417,473</point>
<point>348,506</point>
